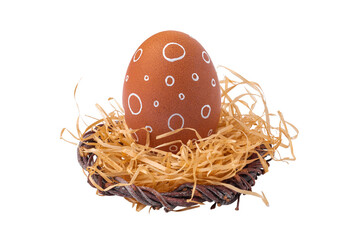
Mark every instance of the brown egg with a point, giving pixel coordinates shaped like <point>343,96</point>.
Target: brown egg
<point>171,83</point>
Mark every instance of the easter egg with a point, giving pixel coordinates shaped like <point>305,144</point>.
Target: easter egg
<point>171,83</point>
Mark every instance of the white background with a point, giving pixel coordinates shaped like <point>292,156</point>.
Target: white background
<point>304,54</point>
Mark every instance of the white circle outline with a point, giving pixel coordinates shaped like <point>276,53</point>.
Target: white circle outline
<point>156,103</point>
<point>169,120</point>
<point>213,82</point>
<point>209,111</point>
<point>181,96</point>
<point>173,59</point>
<point>134,133</point>
<point>146,78</point>
<point>127,77</point>
<point>210,132</point>
<point>195,77</point>
<point>173,150</point>
<point>129,106</point>
<point>136,137</point>
<point>173,80</point>
<point>135,60</point>
<point>149,128</point>
<point>209,59</point>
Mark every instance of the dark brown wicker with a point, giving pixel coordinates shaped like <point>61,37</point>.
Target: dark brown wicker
<point>220,195</point>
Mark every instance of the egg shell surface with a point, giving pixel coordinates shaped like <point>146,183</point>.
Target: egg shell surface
<point>171,83</point>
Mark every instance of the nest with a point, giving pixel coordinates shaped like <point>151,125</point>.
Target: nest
<point>219,168</point>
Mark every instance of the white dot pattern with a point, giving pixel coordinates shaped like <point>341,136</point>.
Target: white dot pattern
<point>205,57</point>
<point>195,77</point>
<point>172,116</point>
<point>173,148</point>
<point>170,81</point>
<point>209,111</point>
<point>156,103</point>
<point>134,134</point>
<point>173,59</point>
<point>213,82</point>
<point>140,106</point>
<point>129,103</point>
<point>181,96</point>
<point>210,132</point>
<point>139,53</point>
<point>149,129</point>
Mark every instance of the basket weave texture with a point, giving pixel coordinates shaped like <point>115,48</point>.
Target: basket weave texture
<point>182,195</point>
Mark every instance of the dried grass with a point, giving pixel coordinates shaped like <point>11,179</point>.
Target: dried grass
<point>209,160</point>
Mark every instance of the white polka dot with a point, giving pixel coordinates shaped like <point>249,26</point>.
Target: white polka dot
<point>206,57</point>
<point>210,132</point>
<point>172,80</point>
<point>135,59</point>
<point>156,103</point>
<point>129,105</point>
<point>149,128</point>
<point>146,78</point>
<point>213,82</point>
<point>195,77</point>
<point>173,59</point>
<point>209,111</point>
<point>181,96</point>
<point>173,115</point>
<point>127,77</point>
<point>173,148</point>
<point>134,134</point>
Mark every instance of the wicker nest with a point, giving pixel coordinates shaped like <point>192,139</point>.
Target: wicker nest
<point>181,196</point>
<point>218,168</point>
